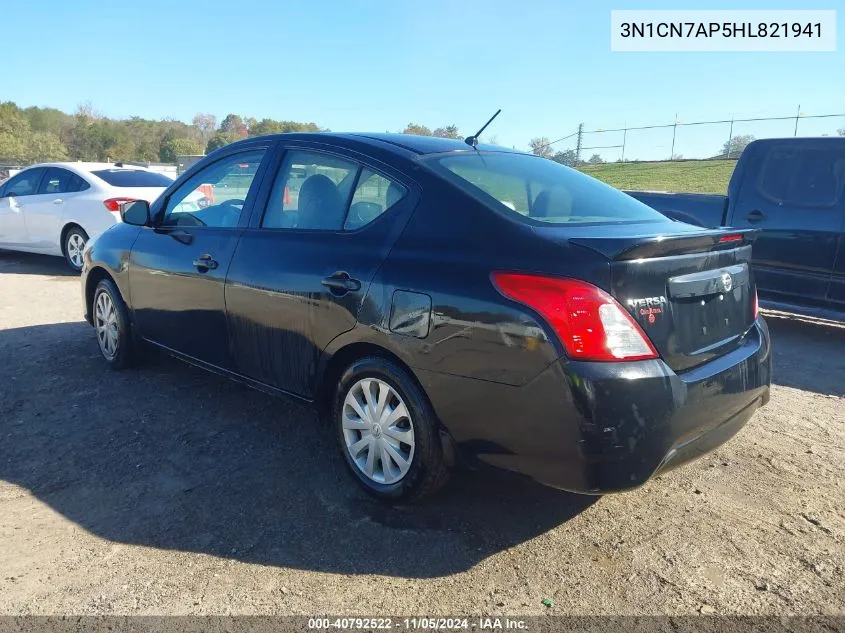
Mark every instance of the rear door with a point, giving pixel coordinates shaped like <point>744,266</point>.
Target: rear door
<point>302,269</point>
<point>177,269</point>
<point>793,194</point>
<point>46,208</point>
<point>18,191</point>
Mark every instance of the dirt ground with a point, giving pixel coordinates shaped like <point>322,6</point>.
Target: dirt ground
<point>166,490</point>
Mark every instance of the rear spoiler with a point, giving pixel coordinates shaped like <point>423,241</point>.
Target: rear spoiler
<point>628,248</point>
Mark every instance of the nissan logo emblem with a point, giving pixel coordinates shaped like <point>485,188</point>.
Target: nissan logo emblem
<point>727,282</point>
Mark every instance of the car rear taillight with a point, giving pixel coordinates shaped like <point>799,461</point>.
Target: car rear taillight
<point>731,237</point>
<point>590,323</point>
<point>113,205</point>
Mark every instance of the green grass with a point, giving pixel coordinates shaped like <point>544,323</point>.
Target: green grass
<point>702,176</point>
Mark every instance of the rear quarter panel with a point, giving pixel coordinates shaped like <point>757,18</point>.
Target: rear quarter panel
<point>448,251</point>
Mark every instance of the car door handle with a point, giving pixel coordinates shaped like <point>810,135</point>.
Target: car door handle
<point>756,216</point>
<point>58,201</point>
<point>341,283</point>
<point>205,262</point>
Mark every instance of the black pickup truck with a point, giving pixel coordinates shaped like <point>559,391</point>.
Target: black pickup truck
<point>793,191</point>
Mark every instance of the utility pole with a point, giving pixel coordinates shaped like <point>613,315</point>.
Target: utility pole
<point>797,114</point>
<point>578,143</point>
<point>624,139</point>
<point>730,136</point>
<point>674,129</point>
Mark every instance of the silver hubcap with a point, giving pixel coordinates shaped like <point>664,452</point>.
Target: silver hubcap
<point>378,431</point>
<point>106,324</point>
<point>75,246</point>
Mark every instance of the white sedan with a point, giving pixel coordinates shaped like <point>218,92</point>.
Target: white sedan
<point>55,208</point>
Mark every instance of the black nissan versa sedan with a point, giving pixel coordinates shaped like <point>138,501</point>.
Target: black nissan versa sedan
<point>440,302</point>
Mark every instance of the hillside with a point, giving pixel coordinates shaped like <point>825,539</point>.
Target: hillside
<point>700,176</point>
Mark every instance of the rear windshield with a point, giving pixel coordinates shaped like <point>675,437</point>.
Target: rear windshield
<point>132,178</point>
<point>540,190</point>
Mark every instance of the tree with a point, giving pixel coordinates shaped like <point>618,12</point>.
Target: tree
<point>450,131</point>
<point>219,140</point>
<point>416,128</point>
<point>270,126</point>
<point>206,124</point>
<point>566,157</point>
<point>171,147</point>
<point>841,131</point>
<point>234,126</point>
<point>595,159</point>
<point>540,147</point>
<point>734,147</point>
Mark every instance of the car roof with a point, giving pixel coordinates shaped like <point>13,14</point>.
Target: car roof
<point>428,144</point>
<point>87,167</point>
<point>405,144</point>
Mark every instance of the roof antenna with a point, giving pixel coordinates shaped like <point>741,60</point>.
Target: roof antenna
<point>472,141</point>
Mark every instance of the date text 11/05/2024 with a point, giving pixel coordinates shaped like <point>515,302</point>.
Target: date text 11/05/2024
<point>419,624</point>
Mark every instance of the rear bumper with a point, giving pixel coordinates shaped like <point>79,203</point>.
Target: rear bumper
<point>605,427</point>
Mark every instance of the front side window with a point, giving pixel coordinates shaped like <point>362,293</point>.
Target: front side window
<point>24,184</point>
<point>539,190</point>
<point>310,192</point>
<point>215,195</point>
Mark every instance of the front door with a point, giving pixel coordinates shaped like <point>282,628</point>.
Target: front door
<point>178,268</point>
<point>302,270</point>
<point>795,198</point>
<point>15,195</point>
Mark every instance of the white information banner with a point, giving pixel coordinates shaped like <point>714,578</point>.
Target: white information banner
<point>722,30</point>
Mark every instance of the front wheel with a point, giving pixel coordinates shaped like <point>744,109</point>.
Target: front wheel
<point>73,247</point>
<point>111,323</point>
<point>387,432</point>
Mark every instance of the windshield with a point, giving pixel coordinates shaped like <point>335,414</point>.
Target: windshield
<point>540,190</point>
<point>133,178</point>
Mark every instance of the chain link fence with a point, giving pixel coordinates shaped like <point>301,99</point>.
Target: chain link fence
<point>686,140</point>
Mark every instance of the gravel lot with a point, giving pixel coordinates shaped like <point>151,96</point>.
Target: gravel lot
<point>166,490</point>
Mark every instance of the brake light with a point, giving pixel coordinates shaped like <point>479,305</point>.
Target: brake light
<point>733,237</point>
<point>113,204</point>
<point>590,323</point>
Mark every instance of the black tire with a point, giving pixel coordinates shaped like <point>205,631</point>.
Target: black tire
<point>124,353</point>
<point>71,248</point>
<point>429,470</point>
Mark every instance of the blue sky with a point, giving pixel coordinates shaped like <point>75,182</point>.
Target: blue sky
<point>376,65</point>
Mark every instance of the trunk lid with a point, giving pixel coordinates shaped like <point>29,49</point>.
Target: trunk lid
<point>691,290</point>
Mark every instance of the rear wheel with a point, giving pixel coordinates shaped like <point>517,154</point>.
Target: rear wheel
<point>74,245</point>
<point>387,432</point>
<point>111,323</point>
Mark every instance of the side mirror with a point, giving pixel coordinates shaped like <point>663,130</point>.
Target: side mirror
<point>136,212</point>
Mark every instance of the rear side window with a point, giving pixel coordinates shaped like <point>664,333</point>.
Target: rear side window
<point>78,183</point>
<point>132,178</point>
<point>802,176</point>
<point>61,181</point>
<point>374,195</point>
<point>538,190</point>
<point>310,192</point>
